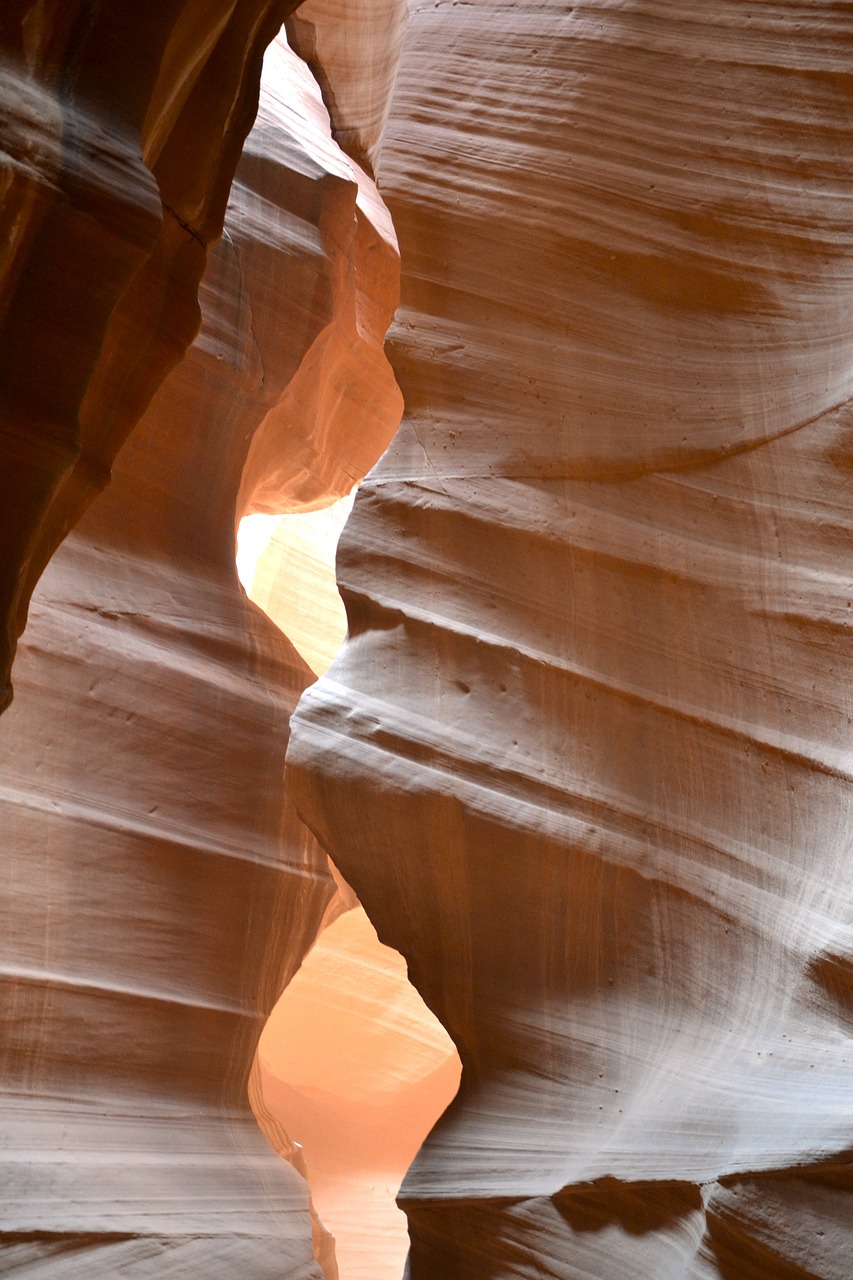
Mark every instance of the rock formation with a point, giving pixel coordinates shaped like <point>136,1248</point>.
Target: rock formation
<point>586,755</point>
<point>354,52</point>
<point>354,1066</point>
<point>120,129</point>
<point>157,891</point>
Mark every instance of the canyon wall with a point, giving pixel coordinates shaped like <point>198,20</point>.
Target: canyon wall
<point>585,757</point>
<point>120,130</point>
<point>157,890</point>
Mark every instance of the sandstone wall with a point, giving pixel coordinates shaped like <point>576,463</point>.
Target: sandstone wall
<point>586,755</point>
<point>157,891</point>
<point>120,129</point>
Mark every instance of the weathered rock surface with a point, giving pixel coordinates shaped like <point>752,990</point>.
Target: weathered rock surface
<point>354,52</point>
<point>120,130</point>
<point>586,755</point>
<point>157,891</point>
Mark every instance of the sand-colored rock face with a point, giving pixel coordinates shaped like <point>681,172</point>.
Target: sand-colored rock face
<point>290,574</point>
<point>586,755</point>
<point>120,129</point>
<point>356,1068</point>
<point>354,51</point>
<point>157,892</point>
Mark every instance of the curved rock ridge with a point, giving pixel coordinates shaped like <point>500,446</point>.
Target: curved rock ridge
<point>585,757</point>
<point>354,51</point>
<point>120,131</point>
<point>342,403</point>
<point>158,892</point>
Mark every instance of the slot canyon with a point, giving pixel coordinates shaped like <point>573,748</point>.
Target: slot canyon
<point>546,774</point>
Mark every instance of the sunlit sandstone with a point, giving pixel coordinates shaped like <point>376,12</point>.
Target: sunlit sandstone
<point>358,1070</point>
<point>290,573</point>
<point>352,1066</point>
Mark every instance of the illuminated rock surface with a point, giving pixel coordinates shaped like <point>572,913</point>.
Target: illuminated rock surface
<point>355,1066</point>
<point>586,755</point>
<point>291,576</point>
<point>354,51</point>
<point>351,1064</point>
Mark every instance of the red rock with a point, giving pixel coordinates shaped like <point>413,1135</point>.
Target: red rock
<point>585,757</point>
<point>121,130</point>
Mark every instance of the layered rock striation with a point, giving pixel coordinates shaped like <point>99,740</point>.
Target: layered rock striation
<point>158,892</point>
<point>120,130</point>
<point>585,756</point>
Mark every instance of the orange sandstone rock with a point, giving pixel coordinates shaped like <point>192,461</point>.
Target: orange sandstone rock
<point>357,1068</point>
<point>120,129</point>
<point>586,754</point>
<point>158,892</point>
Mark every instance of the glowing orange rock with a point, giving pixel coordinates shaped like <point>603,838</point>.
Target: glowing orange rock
<point>357,1069</point>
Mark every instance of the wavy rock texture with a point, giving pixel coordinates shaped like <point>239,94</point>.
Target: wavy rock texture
<point>157,892</point>
<point>354,51</point>
<point>120,130</point>
<point>586,755</point>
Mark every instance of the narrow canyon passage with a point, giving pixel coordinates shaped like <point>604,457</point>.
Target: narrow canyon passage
<point>352,1064</point>
<point>159,890</point>
<point>586,756</point>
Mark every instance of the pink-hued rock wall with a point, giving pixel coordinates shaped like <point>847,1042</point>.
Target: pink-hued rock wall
<point>158,892</point>
<point>356,1068</point>
<point>585,757</point>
